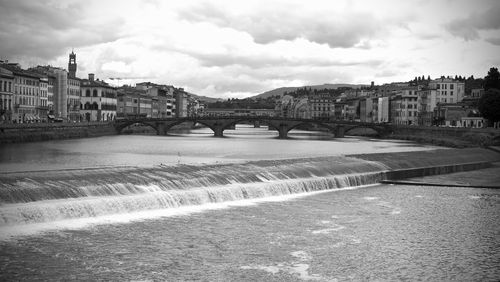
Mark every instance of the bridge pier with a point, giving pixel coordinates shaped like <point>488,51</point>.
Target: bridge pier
<point>283,131</point>
<point>339,132</point>
<point>161,129</point>
<point>218,131</point>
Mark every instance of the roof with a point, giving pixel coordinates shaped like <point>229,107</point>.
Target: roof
<point>17,70</point>
<point>95,83</point>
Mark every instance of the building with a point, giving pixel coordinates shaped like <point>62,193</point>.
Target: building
<point>72,65</point>
<point>73,93</point>
<point>50,95</point>
<point>321,106</point>
<point>404,107</point>
<point>390,89</point>
<point>284,106</point>
<point>458,115</point>
<point>43,108</point>
<point>26,94</point>
<point>426,103</point>
<point>366,109</point>
<point>476,93</point>
<point>302,108</point>
<point>163,102</point>
<point>181,103</point>
<point>6,95</point>
<point>382,110</point>
<point>352,109</point>
<point>73,99</point>
<point>98,100</point>
<point>340,110</point>
<point>57,90</point>
<point>448,90</point>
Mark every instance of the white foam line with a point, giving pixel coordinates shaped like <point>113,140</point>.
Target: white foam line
<point>13,232</point>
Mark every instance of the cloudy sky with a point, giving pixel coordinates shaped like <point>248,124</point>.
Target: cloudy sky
<point>241,48</point>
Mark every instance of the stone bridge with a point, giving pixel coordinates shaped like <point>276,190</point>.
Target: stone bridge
<point>282,125</point>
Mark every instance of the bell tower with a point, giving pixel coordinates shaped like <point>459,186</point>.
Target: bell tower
<point>72,65</point>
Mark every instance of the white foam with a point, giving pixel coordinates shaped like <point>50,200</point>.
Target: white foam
<point>14,231</point>
<point>328,230</point>
<point>301,255</point>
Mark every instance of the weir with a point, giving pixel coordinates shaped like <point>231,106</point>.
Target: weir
<point>51,196</point>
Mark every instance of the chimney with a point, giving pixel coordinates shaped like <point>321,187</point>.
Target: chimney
<point>91,77</point>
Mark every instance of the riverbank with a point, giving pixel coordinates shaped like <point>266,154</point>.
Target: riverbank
<point>33,132</point>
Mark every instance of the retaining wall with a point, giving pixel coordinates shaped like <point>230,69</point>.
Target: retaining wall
<point>53,131</point>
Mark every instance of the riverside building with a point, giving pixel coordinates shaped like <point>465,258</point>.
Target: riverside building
<point>6,95</point>
<point>26,94</point>
<point>448,90</point>
<point>98,100</point>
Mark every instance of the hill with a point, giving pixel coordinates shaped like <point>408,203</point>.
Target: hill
<point>281,90</point>
<point>205,99</point>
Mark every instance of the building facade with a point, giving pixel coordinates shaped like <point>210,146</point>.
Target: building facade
<point>448,90</point>
<point>26,95</point>
<point>98,100</point>
<point>6,95</point>
<point>321,106</point>
<point>73,99</point>
<point>57,90</point>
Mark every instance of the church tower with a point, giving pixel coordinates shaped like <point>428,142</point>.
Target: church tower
<point>72,65</point>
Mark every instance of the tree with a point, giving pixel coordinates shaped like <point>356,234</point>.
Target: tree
<point>492,80</point>
<point>489,105</point>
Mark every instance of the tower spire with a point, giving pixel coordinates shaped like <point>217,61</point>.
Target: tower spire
<point>72,64</point>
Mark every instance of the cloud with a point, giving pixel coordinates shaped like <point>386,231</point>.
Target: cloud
<point>270,23</point>
<point>44,29</point>
<point>494,40</point>
<point>469,28</point>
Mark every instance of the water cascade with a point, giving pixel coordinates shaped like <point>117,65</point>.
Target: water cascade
<point>50,196</point>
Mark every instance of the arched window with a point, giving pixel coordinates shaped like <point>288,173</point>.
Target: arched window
<point>95,106</point>
<point>87,106</point>
<point>87,93</point>
<point>94,93</point>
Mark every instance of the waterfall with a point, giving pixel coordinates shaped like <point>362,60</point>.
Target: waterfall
<point>52,196</point>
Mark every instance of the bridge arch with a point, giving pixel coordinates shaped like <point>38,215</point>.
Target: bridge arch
<point>250,119</point>
<point>331,128</point>
<point>380,131</point>
<point>119,127</point>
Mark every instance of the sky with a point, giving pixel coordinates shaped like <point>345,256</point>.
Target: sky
<point>236,49</point>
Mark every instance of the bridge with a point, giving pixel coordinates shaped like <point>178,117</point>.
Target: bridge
<point>283,125</point>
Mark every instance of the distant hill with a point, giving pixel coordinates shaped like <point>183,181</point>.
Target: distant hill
<point>205,98</point>
<point>281,90</point>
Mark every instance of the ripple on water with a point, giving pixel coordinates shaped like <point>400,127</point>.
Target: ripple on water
<point>295,268</point>
<point>328,230</point>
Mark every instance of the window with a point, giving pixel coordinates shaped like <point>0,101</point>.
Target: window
<point>87,93</point>
<point>94,93</point>
<point>451,86</point>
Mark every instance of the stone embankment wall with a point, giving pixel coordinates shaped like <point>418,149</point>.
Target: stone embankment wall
<point>448,136</point>
<point>17,133</point>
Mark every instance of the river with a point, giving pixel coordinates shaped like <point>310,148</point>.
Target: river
<point>247,207</point>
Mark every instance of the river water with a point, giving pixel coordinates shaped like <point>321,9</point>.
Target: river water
<point>248,207</point>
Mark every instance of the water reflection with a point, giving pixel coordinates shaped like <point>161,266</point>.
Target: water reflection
<point>196,146</point>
